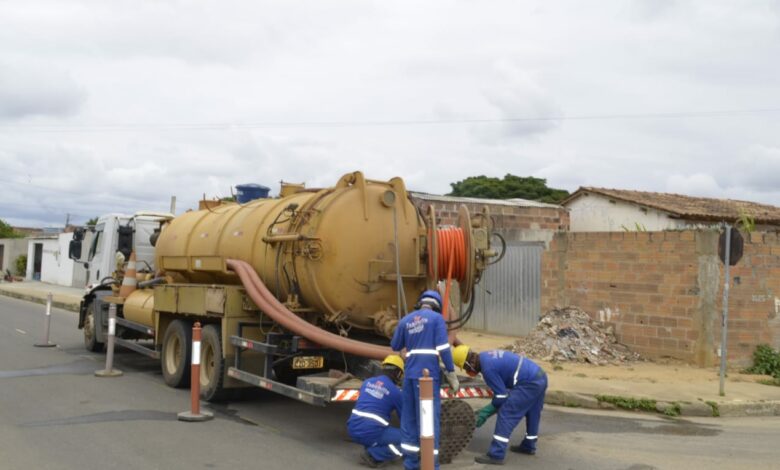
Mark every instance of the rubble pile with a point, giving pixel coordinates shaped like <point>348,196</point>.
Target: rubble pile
<point>569,334</point>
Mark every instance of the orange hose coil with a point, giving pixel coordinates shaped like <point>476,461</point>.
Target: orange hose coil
<point>451,247</point>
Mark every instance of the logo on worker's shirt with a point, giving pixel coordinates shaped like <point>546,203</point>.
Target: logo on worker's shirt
<point>497,354</point>
<point>377,389</point>
<point>416,325</point>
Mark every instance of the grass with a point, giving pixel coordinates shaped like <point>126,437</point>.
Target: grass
<point>715,409</point>
<point>557,367</point>
<point>580,375</point>
<point>673,410</point>
<point>775,382</point>
<point>628,403</point>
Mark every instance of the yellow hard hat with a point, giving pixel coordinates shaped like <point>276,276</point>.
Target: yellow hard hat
<point>459,354</point>
<point>394,360</point>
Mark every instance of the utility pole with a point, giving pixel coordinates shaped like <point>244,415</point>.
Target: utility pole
<point>67,220</point>
<point>173,205</point>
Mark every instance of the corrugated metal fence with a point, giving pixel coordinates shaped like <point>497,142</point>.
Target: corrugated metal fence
<point>508,299</point>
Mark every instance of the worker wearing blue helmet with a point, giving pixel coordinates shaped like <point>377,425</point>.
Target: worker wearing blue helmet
<point>423,333</point>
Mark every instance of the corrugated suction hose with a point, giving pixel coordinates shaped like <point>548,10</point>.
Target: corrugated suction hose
<point>271,306</point>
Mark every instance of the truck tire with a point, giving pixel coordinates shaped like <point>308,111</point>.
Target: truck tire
<point>176,353</point>
<point>90,333</point>
<point>212,364</point>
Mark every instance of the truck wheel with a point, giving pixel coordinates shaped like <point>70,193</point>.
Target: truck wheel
<point>176,353</point>
<point>90,333</point>
<point>212,364</point>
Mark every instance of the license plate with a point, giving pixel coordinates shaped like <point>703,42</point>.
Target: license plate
<point>308,362</point>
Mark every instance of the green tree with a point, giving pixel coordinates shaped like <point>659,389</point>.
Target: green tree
<point>92,221</point>
<point>6,231</point>
<point>509,187</point>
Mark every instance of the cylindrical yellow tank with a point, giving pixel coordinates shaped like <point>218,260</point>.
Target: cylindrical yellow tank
<point>335,249</point>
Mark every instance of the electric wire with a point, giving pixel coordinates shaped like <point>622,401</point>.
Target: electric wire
<point>228,126</point>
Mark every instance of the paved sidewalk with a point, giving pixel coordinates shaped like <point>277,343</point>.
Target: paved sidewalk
<point>670,387</point>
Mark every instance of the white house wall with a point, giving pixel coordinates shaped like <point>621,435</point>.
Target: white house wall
<point>56,266</point>
<point>595,213</point>
<point>13,248</point>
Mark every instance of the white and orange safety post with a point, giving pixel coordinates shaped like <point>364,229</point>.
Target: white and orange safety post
<point>109,371</point>
<point>195,413</point>
<point>427,440</point>
<point>46,325</point>
<point>129,283</point>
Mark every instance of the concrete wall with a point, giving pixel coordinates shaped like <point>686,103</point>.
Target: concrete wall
<point>12,249</point>
<point>663,290</point>
<point>595,213</point>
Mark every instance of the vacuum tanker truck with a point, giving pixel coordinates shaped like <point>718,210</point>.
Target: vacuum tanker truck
<point>297,294</point>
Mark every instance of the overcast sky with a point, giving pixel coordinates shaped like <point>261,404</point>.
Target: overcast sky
<point>115,106</point>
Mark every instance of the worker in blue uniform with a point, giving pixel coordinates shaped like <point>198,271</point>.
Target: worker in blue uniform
<point>423,333</point>
<point>369,423</point>
<point>518,386</point>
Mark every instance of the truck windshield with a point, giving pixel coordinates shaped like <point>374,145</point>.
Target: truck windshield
<point>96,247</point>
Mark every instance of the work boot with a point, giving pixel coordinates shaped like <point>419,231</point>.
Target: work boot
<point>521,449</point>
<point>488,460</point>
<point>368,461</point>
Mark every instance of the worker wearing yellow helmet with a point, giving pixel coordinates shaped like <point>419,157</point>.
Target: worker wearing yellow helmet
<point>518,386</point>
<point>369,423</point>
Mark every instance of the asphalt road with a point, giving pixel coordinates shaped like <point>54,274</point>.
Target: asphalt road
<point>55,414</point>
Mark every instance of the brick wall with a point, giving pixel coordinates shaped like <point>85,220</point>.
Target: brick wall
<point>663,290</point>
<point>515,222</point>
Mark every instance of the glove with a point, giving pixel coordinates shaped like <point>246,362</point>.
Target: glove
<point>452,379</point>
<point>484,413</point>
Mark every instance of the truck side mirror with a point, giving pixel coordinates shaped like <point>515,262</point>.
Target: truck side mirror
<point>125,241</point>
<point>74,249</point>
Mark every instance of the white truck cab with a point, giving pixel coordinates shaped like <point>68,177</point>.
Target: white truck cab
<point>118,232</point>
<point>112,233</point>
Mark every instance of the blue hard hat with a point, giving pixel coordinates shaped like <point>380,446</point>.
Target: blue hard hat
<point>431,297</point>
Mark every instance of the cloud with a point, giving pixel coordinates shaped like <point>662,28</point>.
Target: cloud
<point>33,89</point>
<point>699,184</point>
<point>147,67</point>
<point>519,96</point>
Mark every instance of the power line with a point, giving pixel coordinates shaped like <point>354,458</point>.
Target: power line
<point>389,123</point>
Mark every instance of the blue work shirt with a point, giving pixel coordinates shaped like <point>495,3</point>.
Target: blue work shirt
<point>424,335</point>
<point>379,396</point>
<point>502,370</point>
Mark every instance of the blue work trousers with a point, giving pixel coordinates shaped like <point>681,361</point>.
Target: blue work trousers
<point>383,443</point>
<point>525,400</point>
<point>410,423</point>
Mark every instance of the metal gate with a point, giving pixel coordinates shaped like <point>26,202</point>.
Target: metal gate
<point>508,298</point>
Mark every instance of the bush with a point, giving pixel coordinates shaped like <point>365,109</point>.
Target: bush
<point>21,265</point>
<point>766,361</point>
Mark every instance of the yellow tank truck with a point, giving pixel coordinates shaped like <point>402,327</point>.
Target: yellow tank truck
<point>297,294</point>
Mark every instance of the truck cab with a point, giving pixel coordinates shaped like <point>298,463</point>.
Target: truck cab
<point>117,232</point>
<point>111,234</point>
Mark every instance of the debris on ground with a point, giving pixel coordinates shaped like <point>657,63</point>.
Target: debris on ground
<point>570,335</point>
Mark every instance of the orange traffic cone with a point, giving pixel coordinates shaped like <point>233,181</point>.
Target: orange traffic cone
<point>129,282</point>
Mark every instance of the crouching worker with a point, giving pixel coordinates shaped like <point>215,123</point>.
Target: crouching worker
<point>518,386</point>
<point>369,423</point>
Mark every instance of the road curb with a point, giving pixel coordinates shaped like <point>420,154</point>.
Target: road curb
<point>668,408</point>
<point>73,307</point>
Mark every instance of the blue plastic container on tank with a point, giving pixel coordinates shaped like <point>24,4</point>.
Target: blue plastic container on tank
<point>250,192</point>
